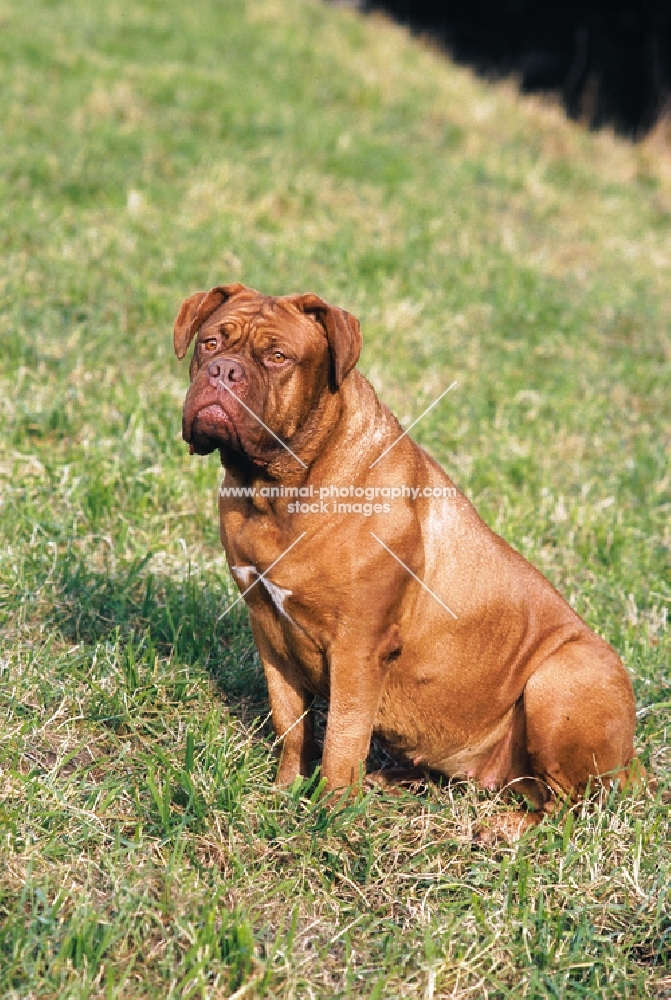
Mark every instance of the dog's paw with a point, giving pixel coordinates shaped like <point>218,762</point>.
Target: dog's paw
<point>398,779</point>
<point>506,828</point>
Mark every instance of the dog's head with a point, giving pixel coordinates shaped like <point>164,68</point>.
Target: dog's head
<point>260,364</point>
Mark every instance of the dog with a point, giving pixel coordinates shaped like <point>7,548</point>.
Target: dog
<point>372,582</point>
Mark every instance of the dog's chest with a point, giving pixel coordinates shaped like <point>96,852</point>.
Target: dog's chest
<point>286,624</point>
<point>248,578</point>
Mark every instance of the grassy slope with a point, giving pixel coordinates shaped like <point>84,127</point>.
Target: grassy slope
<point>147,150</point>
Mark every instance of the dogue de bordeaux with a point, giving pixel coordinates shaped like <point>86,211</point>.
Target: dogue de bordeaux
<point>415,620</point>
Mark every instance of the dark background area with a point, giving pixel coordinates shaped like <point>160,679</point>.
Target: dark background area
<point>610,62</point>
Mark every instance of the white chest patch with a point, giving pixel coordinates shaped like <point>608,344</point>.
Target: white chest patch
<point>246,575</point>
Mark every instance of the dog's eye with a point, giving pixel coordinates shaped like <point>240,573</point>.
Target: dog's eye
<point>278,357</point>
<point>210,344</point>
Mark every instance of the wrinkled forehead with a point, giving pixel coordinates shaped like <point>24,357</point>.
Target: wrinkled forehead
<point>263,315</point>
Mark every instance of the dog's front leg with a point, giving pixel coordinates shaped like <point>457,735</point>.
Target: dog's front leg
<point>356,678</point>
<point>289,705</point>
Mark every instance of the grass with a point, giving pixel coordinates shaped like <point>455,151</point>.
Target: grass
<point>148,150</point>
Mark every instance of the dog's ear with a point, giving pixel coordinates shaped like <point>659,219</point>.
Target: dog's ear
<point>342,330</point>
<point>194,311</point>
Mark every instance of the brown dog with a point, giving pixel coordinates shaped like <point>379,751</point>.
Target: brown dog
<point>408,613</point>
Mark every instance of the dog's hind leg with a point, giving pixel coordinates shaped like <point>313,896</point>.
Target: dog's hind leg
<point>578,726</point>
<point>580,718</point>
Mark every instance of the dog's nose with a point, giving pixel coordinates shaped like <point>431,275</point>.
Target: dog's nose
<point>225,370</point>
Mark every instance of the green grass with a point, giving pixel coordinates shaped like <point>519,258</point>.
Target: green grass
<point>151,149</point>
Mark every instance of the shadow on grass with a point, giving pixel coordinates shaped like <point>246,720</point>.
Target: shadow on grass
<point>180,618</point>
